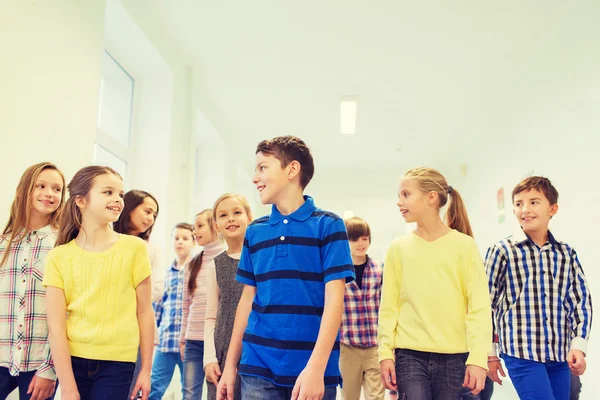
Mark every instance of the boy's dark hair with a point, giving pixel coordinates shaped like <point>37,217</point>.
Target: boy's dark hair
<point>356,228</point>
<point>539,183</point>
<point>287,149</point>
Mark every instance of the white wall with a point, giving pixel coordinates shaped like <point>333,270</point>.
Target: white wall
<point>549,127</point>
<point>51,78</point>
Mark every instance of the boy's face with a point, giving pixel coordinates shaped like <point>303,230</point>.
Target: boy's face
<point>270,178</point>
<point>360,246</point>
<point>533,210</point>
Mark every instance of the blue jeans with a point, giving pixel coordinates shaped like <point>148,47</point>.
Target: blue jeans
<point>535,380</point>
<point>430,376</point>
<point>254,388</point>
<point>193,367</point>
<point>485,394</point>
<point>9,383</point>
<point>98,379</point>
<point>575,387</point>
<point>162,372</point>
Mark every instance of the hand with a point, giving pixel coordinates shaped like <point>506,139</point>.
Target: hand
<point>576,361</point>
<point>41,388</point>
<point>388,374</point>
<point>495,366</point>
<point>143,384</point>
<point>182,349</point>
<point>310,385</point>
<point>226,386</point>
<point>213,373</point>
<point>474,379</point>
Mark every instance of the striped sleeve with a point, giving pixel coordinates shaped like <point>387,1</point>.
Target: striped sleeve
<point>335,252</point>
<point>245,271</point>
<point>579,303</point>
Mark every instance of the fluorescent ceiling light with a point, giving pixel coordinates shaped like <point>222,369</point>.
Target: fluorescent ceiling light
<point>348,117</point>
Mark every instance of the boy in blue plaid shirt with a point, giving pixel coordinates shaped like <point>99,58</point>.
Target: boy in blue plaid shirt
<point>168,315</point>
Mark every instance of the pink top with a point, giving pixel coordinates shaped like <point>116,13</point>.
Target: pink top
<point>194,306</point>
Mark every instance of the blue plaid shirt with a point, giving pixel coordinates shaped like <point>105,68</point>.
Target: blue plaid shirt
<point>168,311</point>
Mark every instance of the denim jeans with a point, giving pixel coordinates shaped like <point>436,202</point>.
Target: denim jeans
<point>485,394</point>
<point>9,383</point>
<point>193,367</point>
<point>430,376</point>
<point>254,388</point>
<point>575,387</point>
<point>162,371</point>
<point>97,379</point>
<point>536,380</point>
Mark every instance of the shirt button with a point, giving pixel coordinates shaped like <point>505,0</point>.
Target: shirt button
<point>285,221</point>
<point>25,260</point>
<point>24,281</point>
<point>19,348</point>
<point>282,238</point>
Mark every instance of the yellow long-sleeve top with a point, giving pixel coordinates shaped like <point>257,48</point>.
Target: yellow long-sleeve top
<point>435,298</point>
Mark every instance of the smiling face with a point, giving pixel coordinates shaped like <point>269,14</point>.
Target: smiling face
<point>533,211</point>
<point>203,232</point>
<point>47,193</point>
<point>104,202</point>
<point>232,219</point>
<point>270,178</point>
<point>143,216</point>
<point>360,246</point>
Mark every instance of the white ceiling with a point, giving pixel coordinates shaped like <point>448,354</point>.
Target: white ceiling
<point>425,75</point>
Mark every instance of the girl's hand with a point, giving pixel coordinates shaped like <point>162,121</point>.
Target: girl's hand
<point>474,379</point>
<point>69,395</point>
<point>388,374</point>
<point>182,349</point>
<point>213,373</point>
<point>143,384</point>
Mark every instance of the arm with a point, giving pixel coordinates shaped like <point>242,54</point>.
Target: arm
<point>388,309</point>
<point>185,308</point>
<point>211,363</point>
<point>145,317</point>
<point>46,370</point>
<point>158,273</point>
<point>479,314</point>
<point>59,344</point>
<point>495,266</point>
<point>579,304</point>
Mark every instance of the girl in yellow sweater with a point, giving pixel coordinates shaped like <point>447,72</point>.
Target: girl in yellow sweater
<point>98,294</point>
<point>435,315</point>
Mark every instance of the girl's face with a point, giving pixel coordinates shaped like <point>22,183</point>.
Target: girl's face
<point>47,193</point>
<point>104,202</point>
<point>412,202</point>
<point>202,231</point>
<point>143,216</point>
<point>232,219</point>
<point>183,242</point>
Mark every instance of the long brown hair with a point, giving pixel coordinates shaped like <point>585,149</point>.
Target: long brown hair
<point>20,210</point>
<point>431,180</point>
<point>196,262</point>
<point>80,186</point>
<point>132,199</point>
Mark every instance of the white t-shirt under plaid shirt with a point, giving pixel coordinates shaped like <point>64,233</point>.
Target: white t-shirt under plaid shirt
<point>541,302</point>
<point>24,345</point>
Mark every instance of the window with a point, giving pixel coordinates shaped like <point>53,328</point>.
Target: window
<point>113,139</point>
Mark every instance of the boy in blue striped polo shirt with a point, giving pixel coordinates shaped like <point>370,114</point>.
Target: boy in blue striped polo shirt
<point>294,265</point>
<point>541,304</point>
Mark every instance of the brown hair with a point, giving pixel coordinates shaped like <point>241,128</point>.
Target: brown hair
<point>20,210</point>
<point>356,228</point>
<point>538,183</point>
<point>239,198</point>
<point>196,263</point>
<point>132,200</point>
<point>184,225</point>
<point>80,186</point>
<point>431,180</point>
<point>287,149</point>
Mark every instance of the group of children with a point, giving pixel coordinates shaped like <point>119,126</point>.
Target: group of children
<point>284,306</point>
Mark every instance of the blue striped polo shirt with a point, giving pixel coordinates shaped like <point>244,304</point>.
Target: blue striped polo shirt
<point>290,259</point>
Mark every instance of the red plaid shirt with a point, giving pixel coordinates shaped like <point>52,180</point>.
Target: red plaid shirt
<point>24,342</point>
<point>361,308</point>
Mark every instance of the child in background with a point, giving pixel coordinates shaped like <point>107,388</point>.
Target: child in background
<point>232,215</point>
<point>168,315</point>
<point>98,287</point>
<point>30,233</point>
<point>191,340</point>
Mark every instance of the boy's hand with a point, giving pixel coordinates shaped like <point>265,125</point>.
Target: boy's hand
<point>41,388</point>
<point>226,386</point>
<point>309,385</point>
<point>474,379</point>
<point>576,361</point>
<point>388,374</point>
<point>495,367</point>
<point>213,373</point>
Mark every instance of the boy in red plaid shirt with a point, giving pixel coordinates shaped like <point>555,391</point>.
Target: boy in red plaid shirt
<point>358,334</point>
